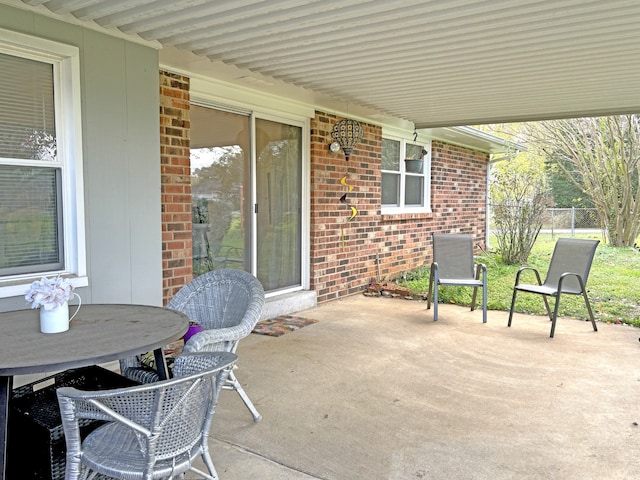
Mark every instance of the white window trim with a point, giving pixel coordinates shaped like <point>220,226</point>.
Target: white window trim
<point>401,209</point>
<point>66,62</point>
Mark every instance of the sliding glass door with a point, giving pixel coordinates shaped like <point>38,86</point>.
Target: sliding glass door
<point>246,178</point>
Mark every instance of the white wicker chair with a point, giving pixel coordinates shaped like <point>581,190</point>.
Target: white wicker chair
<point>153,431</point>
<point>227,303</point>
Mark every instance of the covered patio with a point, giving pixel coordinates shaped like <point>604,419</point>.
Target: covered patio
<point>377,390</point>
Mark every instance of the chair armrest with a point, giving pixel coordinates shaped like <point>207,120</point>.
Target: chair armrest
<point>522,269</point>
<point>434,271</point>
<point>571,274</point>
<point>194,362</point>
<point>134,369</point>
<point>209,340</point>
<point>481,268</point>
<point>141,374</point>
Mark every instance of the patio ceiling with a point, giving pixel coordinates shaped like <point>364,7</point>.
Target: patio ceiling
<point>431,62</point>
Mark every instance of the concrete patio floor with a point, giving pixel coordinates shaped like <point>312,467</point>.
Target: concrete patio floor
<point>377,390</point>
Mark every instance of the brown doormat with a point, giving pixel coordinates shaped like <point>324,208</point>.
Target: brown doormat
<point>278,326</point>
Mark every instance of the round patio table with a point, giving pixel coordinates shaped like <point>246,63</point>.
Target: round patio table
<point>97,334</point>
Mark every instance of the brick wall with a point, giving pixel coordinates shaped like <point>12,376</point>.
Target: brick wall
<point>175,183</point>
<point>458,191</point>
<point>346,255</point>
<point>343,252</point>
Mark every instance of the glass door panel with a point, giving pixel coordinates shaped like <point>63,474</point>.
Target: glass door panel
<point>220,188</point>
<point>279,204</point>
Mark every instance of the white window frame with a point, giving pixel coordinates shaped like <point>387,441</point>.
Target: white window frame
<point>65,60</point>
<point>426,174</point>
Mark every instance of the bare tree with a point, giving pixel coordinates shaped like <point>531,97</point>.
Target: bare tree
<point>519,198</point>
<point>601,156</point>
<point>519,195</point>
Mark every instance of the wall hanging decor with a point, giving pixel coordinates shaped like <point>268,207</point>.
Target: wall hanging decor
<point>353,210</point>
<point>347,133</point>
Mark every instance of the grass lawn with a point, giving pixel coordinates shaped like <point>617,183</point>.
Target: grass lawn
<point>613,286</point>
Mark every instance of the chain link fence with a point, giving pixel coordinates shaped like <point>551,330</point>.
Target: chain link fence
<point>567,220</point>
<point>563,220</point>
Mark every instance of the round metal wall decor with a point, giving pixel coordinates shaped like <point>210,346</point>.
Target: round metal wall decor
<point>347,133</point>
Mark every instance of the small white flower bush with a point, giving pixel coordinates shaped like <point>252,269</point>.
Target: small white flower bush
<point>49,293</point>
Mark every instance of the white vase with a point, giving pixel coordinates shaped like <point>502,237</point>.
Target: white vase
<point>57,319</point>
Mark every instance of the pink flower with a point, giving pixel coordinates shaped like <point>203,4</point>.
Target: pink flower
<point>49,293</point>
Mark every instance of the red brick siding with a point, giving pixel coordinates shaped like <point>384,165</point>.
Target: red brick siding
<point>342,264</point>
<point>175,183</point>
<point>345,254</point>
<point>458,190</point>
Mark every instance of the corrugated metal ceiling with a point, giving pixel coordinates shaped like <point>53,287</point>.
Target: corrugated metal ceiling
<point>432,62</point>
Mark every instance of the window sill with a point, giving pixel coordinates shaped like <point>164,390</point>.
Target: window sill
<point>18,286</point>
<point>406,215</point>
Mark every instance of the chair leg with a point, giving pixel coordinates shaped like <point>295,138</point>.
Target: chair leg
<point>546,305</point>
<point>430,289</point>
<point>481,271</point>
<point>484,302</point>
<point>435,300</point>
<point>473,298</point>
<point>475,289</point>
<point>235,385</point>
<point>212,475</point>
<point>555,313</point>
<point>557,305</point>
<point>513,303</point>
<point>588,304</point>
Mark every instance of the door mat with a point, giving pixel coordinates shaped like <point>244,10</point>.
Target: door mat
<point>275,327</point>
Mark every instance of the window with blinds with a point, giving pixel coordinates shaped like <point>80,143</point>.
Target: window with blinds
<point>30,173</point>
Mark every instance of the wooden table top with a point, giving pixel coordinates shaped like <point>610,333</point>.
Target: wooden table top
<point>98,334</point>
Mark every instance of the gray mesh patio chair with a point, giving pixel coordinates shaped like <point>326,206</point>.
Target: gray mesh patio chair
<point>227,303</point>
<point>568,273</point>
<point>152,431</point>
<point>453,264</point>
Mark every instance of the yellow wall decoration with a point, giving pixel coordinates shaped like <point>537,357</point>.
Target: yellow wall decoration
<point>343,199</point>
